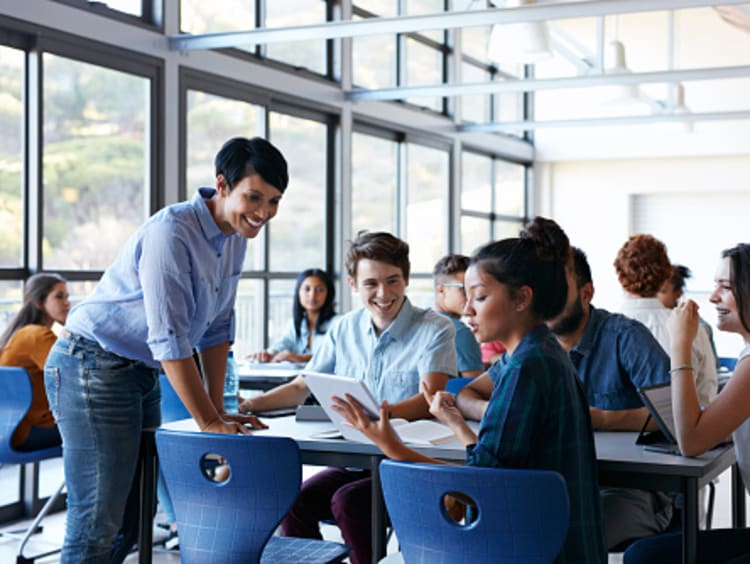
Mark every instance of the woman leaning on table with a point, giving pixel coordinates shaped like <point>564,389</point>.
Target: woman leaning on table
<point>700,430</point>
<point>170,290</point>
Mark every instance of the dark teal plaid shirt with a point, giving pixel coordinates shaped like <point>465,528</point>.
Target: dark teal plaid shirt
<point>537,417</point>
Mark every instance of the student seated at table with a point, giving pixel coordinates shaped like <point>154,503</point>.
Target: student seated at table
<point>614,355</point>
<point>450,300</point>
<point>671,292</point>
<point>642,267</point>
<point>392,346</point>
<point>699,430</point>
<point>537,416</point>
<point>26,342</point>
<point>312,315</point>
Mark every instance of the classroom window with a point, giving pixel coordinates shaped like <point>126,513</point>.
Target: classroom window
<point>11,157</point>
<point>374,183</point>
<point>309,54</point>
<point>94,168</point>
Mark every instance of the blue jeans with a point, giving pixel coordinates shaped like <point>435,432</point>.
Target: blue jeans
<point>101,403</point>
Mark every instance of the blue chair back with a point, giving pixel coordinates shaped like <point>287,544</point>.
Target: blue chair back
<point>455,385</point>
<point>172,408</point>
<point>15,401</point>
<point>727,362</point>
<point>521,516</point>
<point>231,521</point>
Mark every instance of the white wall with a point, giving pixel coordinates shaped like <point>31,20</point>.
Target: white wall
<point>591,201</point>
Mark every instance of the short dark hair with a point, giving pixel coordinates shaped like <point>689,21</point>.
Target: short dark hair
<point>739,260</point>
<point>679,275</point>
<point>380,246</point>
<point>240,157</point>
<point>450,264</point>
<point>537,259</point>
<point>326,311</point>
<point>581,267</point>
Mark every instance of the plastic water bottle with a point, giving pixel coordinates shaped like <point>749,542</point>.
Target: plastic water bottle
<point>231,385</point>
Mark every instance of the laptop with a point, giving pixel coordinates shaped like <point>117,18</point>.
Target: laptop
<point>658,401</point>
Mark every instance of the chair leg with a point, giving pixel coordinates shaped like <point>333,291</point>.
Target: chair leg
<point>20,558</point>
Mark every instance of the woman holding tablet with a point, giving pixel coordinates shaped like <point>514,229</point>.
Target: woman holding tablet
<point>537,415</point>
<point>700,430</point>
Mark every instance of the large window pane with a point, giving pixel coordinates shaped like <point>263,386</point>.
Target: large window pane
<point>509,189</point>
<point>427,180</point>
<point>308,54</point>
<point>298,232</point>
<point>94,162</point>
<point>374,183</point>
<point>424,66</point>
<point>475,232</point>
<point>280,300</point>
<point>249,316</point>
<point>476,182</point>
<point>374,61</point>
<point>199,16</point>
<point>474,108</point>
<point>11,292</point>
<point>506,229</point>
<point>474,41</point>
<point>211,120</point>
<point>11,156</point>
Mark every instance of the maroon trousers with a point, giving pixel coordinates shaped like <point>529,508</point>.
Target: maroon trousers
<point>341,495</point>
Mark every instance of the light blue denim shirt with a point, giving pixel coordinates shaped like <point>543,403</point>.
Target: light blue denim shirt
<point>289,341</point>
<point>417,342</point>
<point>171,288</point>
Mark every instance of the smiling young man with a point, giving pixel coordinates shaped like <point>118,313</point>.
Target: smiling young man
<point>392,346</point>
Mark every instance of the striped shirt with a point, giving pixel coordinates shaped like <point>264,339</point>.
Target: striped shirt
<point>538,418</point>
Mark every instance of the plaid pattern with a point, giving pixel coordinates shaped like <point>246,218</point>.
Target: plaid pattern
<point>538,417</point>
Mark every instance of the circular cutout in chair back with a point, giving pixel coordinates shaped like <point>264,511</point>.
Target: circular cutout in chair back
<point>215,467</point>
<point>459,508</point>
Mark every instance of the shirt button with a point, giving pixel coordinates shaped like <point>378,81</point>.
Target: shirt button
<point>217,290</point>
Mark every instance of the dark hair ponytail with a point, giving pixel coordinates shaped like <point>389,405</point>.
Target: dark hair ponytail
<point>537,259</point>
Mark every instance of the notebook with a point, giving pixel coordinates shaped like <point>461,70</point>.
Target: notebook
<point>423,432</point>
<point>658,401</point>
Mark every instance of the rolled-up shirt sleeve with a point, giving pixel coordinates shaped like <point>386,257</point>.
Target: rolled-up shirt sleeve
<point>164,271</point>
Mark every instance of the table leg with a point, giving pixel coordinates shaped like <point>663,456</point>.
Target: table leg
<point>149,467</point>
<point>690,522</point>
<point>378,513</point>
<point>738,498</point>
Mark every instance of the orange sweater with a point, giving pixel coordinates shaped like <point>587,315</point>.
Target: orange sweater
<point>28,348</point>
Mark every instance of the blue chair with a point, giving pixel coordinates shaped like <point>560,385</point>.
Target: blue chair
<point>727,362</point>
<point>521,516</point>
<point>15,401</point>
<point>233,521</point>
<point>455,385</point>
<point>172,408</point>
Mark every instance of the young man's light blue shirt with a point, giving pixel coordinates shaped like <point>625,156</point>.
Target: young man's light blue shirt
<point>290,341</point>
<point>417,342</point>
<point>172,288</point>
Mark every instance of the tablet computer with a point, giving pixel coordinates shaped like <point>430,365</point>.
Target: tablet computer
<point>325,386</point>
<point>658,401</point>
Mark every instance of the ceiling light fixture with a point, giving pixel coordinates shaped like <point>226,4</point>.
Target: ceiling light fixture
<point>519,43</point>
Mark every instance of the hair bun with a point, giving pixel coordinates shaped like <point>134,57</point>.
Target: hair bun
<point>551,241</point>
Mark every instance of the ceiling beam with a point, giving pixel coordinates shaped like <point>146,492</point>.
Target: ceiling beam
<point>528,125</point>
<point>443,20</point>
<point>533,85</point>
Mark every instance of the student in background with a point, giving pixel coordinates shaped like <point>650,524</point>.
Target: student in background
<point>491,352</point>
<point>671,292</point>
<point>392,346</point>
<point>699,430</point>
<point>450,300</point>
<point>614,355</point>
<point>642,267</point>
<point>537,415</point>
<point>312,315</point>
<point>26,342</point>
<point>171,289</point>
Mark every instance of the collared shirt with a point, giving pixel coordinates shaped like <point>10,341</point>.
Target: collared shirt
<point>417,342</point>
<point>289,341</point>
<point>171,288</point>
<point>655,316</point>
<point>615,356</point>
<point>468,353</point>
<point>537,418</point>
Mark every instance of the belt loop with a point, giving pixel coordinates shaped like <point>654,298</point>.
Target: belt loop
<point>72,339</point>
